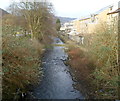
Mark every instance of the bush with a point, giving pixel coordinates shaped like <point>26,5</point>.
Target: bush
<point>82,67</point>
<point>104,49</point>
<point>21,64</point>
<point>96,63</point>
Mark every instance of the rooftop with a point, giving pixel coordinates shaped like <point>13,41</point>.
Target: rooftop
<point>116,11</point>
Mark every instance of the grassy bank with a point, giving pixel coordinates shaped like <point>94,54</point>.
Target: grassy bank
<point>81,67</point>
<point>20,64</point>
<point>95,65</point>
<point>93,83</point>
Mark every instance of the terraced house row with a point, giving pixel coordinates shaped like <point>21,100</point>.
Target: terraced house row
<point>87,26</point>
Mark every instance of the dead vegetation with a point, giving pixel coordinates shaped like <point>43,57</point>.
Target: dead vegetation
<point>96,69</point>
<point>20,64</point>
<point>82,67</point>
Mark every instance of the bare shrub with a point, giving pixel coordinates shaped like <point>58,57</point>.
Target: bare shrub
<point>104,49</point>
<point>21,64</point>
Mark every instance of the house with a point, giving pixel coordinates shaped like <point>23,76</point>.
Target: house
<point>3,12</point>
<point>113,17</point>
<point>88,25</point>
<point>85,27</point>
<point>76,25</point>
<point>62,28</point>
<point>67,27</point>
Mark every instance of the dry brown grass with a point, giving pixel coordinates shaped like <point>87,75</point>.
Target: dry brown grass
<point>82,68</point>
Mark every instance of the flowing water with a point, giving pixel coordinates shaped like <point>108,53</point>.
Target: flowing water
<point>57,82</point>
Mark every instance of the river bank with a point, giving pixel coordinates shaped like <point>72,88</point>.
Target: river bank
<point>93,79</point>
<point>81,69</point>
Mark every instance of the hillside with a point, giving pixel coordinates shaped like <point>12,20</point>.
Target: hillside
<point>65,19</point>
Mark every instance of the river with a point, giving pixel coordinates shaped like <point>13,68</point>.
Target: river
<point>57,82</point>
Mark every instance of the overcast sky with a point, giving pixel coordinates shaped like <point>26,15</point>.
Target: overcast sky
<point>72,8</point>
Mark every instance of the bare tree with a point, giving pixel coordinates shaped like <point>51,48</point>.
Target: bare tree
<point>38,16</point>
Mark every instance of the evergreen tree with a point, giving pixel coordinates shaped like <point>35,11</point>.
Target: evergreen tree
<point>58,24</point>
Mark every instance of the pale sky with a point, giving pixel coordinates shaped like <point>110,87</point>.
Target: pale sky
<point>73,8</point>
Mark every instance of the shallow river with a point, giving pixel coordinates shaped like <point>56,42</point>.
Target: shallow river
<point>57,82</point>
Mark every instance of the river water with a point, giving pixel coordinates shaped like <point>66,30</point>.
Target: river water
<point>57,82</point>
